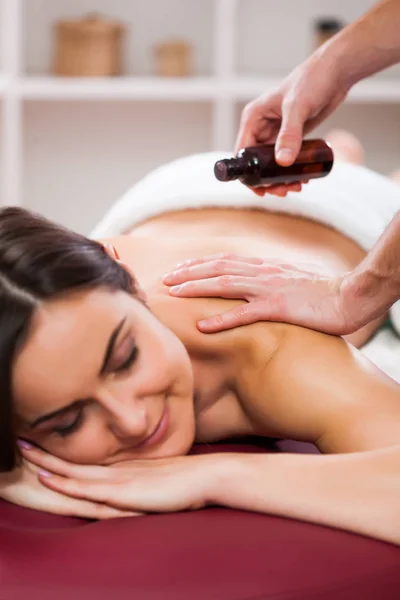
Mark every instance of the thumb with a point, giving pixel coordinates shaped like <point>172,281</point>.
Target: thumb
<point>290,134</point>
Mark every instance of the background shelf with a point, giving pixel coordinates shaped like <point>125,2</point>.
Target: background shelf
<point>241,88</point>
<point>147,23</point>
<point>71,146</point>
<point>124,88</point>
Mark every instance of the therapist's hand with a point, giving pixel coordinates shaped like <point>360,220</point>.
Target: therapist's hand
<point>306,97</point>
<point>274,290</point>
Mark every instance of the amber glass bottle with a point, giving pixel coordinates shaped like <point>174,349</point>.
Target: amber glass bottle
<point>256,166</point>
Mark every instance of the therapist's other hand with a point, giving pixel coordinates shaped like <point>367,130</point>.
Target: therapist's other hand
<point>274,291</point>
<point>310,93</point>
<point>153,485</point>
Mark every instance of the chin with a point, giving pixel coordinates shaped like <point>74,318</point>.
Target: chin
<point>179,443</point>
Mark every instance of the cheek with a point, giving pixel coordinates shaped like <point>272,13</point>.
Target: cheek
<point>165,360</point>
<point>176,355</point>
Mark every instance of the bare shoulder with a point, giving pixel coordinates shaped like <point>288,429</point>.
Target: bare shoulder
<point>314,387</point>
<point>246,344</point>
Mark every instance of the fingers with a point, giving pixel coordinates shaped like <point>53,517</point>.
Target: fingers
<point>291,133</point>
<point>93,490</point>
<point>214,277</point>
<point>226,286</point>
<point>51,463</point>
<point>280,190</point>
<point>208,277</point>
<point>95,499</point>
<point>212,266</point>
<point>248,125</point>
<point>245,314</point>
<point>85,509</point>
<point>107,512</point>
<point>260,121</point>
<point>228,258</point>
<point>211,269</point>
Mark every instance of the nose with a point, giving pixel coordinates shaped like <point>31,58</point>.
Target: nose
<point>130,424</point>
<point>127,417</point>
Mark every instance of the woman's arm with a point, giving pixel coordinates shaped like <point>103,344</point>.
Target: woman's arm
<point>314,387</point>
<point>358,492</point>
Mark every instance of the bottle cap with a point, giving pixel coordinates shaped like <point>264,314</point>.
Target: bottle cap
<point>228,169</point>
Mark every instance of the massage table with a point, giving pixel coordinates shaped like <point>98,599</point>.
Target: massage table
<point>211,554</point>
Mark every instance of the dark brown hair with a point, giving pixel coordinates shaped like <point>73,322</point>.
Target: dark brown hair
<point>40,260</point>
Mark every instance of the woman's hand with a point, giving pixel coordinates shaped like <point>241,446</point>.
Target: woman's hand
<point>274,290</point>
<point>158,485</point>
<point>23,487</point>
<point>306,97</point>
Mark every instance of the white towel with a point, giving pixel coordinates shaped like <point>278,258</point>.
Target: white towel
<point>352,199</point>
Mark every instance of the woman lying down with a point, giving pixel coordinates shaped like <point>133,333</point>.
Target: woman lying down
<point>100,368</point>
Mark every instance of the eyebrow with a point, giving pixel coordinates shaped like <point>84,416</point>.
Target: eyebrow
<point>107,356</point>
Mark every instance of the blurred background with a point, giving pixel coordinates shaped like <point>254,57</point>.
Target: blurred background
<point>96,93</point>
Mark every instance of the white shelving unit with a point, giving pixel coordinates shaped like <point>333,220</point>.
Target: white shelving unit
<point>232,89</point>
<point>218,95</point>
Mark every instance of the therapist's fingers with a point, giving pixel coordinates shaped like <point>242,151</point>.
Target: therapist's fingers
<point>211,269</point>
<point>278,189</point>
<point>244,314</point>
<point>260,121</point>
<point>290,135</point>
<point>224,286</point>
<point>213,266</point>
<point>252,121</point>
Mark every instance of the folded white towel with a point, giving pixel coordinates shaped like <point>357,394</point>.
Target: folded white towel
<point>352,199</point>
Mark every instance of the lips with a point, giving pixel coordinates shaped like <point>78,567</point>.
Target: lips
<point>158,432</point>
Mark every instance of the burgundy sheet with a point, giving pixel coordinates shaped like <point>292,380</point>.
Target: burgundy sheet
<point>215,554</point>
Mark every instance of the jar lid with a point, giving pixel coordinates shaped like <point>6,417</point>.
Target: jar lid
<point>90,24</point>
<point>328,24</point>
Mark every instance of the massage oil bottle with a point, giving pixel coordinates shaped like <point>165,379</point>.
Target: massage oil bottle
<point>255,166</point>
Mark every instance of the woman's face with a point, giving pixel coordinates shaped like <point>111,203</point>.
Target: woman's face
<point>101,380</point>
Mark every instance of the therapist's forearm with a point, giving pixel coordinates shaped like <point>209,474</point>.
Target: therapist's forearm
<point>369,45</point>
<point>358,492</point>
<point>371,289</point>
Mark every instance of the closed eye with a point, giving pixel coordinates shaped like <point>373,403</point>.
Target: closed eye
<point>77,418</point>
<point>71,426</point>
<point>128,362</point>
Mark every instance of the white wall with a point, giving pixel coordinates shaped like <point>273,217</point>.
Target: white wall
<point>79,158</point>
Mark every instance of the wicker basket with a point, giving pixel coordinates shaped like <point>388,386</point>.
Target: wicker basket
<point>89,47</point>
<point>173,58</point>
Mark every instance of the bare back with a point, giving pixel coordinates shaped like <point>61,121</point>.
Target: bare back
<point>156,246</point>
